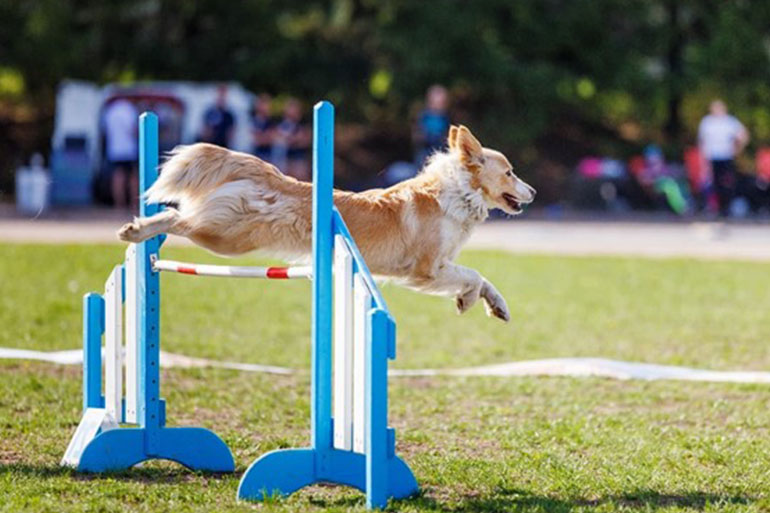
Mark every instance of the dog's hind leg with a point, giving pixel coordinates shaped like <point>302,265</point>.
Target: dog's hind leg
<point>141,229</point>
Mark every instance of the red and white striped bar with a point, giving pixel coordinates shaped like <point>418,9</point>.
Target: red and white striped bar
<point>234,271</point>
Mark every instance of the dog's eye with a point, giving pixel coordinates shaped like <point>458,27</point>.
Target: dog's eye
<point>509,173</point>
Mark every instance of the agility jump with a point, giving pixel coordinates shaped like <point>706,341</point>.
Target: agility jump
<point>100,444</point>
<point>353,336</point>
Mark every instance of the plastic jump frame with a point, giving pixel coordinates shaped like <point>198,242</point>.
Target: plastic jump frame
<point>371,466</point>
<point>358,450</point>
<point>99,444</point>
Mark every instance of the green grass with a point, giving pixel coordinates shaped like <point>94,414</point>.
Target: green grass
<point>476,444</point>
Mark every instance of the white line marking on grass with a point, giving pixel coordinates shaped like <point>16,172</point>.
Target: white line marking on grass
<point>571,367</point>
<point>75,356</point>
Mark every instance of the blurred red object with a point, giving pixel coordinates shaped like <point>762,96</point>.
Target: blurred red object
<point>636,166</point>
<point>763,164</point>
<point>697,172</point>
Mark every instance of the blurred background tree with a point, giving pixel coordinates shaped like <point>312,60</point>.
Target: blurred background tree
<point>546,80</point>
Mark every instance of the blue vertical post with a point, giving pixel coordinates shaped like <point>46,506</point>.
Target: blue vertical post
<point>148,292</point>
<point>323,179</point>
<point>93,327</point>
<point>148,160</point>
<point>376,406</point>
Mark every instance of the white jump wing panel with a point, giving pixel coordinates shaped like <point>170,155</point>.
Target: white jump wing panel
<point>113,344</point>
<point>343,345</point>
<point>132,347</point>
<point>361,307</point>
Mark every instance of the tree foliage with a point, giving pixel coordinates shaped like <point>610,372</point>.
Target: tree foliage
<point>624,71</point>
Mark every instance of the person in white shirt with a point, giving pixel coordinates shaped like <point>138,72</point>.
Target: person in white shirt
<point>119,123</point>
<point>720,138</point>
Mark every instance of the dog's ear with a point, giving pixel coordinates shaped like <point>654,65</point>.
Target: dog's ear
<point>452,139</point>
<point>470,148</point>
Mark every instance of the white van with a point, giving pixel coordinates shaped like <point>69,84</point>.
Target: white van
<point>78,172</point>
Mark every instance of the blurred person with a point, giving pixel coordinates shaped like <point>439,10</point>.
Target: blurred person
<point>291,142</point>
<point>119,123</point>
<point>169,125</point>
<point>720,138</point>
<point>218,121</point>
<point>432,125</point>
<point>262,127</point>
<point>398,172</point>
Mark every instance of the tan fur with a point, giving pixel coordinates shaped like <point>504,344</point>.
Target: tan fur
<point>233,203</point>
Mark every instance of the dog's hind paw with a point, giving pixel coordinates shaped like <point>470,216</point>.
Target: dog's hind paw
<point>130,232</point>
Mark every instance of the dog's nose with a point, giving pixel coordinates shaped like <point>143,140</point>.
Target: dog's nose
<point>532,193</point>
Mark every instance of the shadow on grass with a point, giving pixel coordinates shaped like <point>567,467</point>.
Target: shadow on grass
<point>515,500</point>
<point>522,500</point>
<point>157,472</point>
<point>502,499</point>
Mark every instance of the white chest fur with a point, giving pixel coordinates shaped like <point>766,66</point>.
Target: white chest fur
<point>463,208</point>
<point>459,201</point>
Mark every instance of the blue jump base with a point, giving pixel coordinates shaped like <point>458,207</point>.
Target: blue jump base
<point>285,471</point>
<point>194,447</point>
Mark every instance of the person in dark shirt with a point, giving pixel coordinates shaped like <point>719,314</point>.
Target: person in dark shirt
<point>262,128</point>
<point>721,138</point>
<point>291,143</point>
<point>432,124</point>
<point>218,121</point>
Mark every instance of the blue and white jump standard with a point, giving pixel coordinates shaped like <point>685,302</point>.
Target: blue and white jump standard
<point>353,336</point>
<point>354,447</point>
<point>100,444</point>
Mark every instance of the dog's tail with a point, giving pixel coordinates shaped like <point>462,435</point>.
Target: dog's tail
<point>189,172</point>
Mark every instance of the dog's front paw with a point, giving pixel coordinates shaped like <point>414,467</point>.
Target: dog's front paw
<point>500,311</point>
<point>494,303</point>
<point>130,232</point>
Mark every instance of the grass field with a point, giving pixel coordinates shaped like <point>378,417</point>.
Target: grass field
<point>475,444</point>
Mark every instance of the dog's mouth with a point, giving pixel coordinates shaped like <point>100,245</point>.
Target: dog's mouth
<point>512,202</point>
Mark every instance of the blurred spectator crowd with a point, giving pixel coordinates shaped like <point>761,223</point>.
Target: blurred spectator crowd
<point>706,180</point>
<point>281,140</point>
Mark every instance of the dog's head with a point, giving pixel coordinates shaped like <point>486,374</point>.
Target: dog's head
<point>491,173</point>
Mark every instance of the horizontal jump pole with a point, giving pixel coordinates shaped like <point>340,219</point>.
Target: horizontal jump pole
<point>234,271</point>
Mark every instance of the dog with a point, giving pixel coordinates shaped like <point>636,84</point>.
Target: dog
<point>232,203</point>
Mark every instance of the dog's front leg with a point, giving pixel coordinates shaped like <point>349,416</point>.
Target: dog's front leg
<point>466,285</point>
<point>450,279</point>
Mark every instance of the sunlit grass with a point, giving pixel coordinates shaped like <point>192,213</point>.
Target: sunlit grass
<point>709,314</point>
<point>475,444</point>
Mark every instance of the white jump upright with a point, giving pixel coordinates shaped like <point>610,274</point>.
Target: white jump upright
<point>353,337</point>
